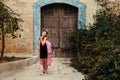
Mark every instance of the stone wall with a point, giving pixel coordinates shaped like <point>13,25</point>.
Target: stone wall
<point>91,7</point>
<point>24,45</point>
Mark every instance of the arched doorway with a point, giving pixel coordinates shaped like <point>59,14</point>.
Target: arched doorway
<point>37,20</point>
<point>61,20</point>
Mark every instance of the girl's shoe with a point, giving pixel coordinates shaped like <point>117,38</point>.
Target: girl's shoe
<point>43,72</point>
<point>46,72</point>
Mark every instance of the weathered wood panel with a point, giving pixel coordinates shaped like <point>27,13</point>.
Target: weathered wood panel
<point>61,21</point>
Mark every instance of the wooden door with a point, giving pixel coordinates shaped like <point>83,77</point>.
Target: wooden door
<point>61,21</point>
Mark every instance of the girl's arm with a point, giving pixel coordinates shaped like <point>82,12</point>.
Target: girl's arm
<point>43,41</point>
<point>39,42</point>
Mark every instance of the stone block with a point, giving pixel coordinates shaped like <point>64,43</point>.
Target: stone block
<point>22,63</point>
<point>32,60</point>
<point>7,66</point>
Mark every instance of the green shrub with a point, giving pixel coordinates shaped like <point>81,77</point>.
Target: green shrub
<point>108,68</point>
<point>98,49</point>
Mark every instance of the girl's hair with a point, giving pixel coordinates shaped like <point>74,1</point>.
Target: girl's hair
<point>46,31</point>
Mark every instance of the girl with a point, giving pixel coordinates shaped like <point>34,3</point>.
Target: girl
<point>45,52</point>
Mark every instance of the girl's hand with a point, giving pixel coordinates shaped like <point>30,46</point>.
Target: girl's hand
<point>41,37</point>
<point>43,40</point>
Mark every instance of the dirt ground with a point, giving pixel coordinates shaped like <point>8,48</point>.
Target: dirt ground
<point>59,70</point>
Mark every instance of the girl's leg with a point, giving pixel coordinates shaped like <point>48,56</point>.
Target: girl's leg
<point>43,63</point>
<point>46,66</point>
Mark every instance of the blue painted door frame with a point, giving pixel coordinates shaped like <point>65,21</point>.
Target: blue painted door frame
<point>37,15</point>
